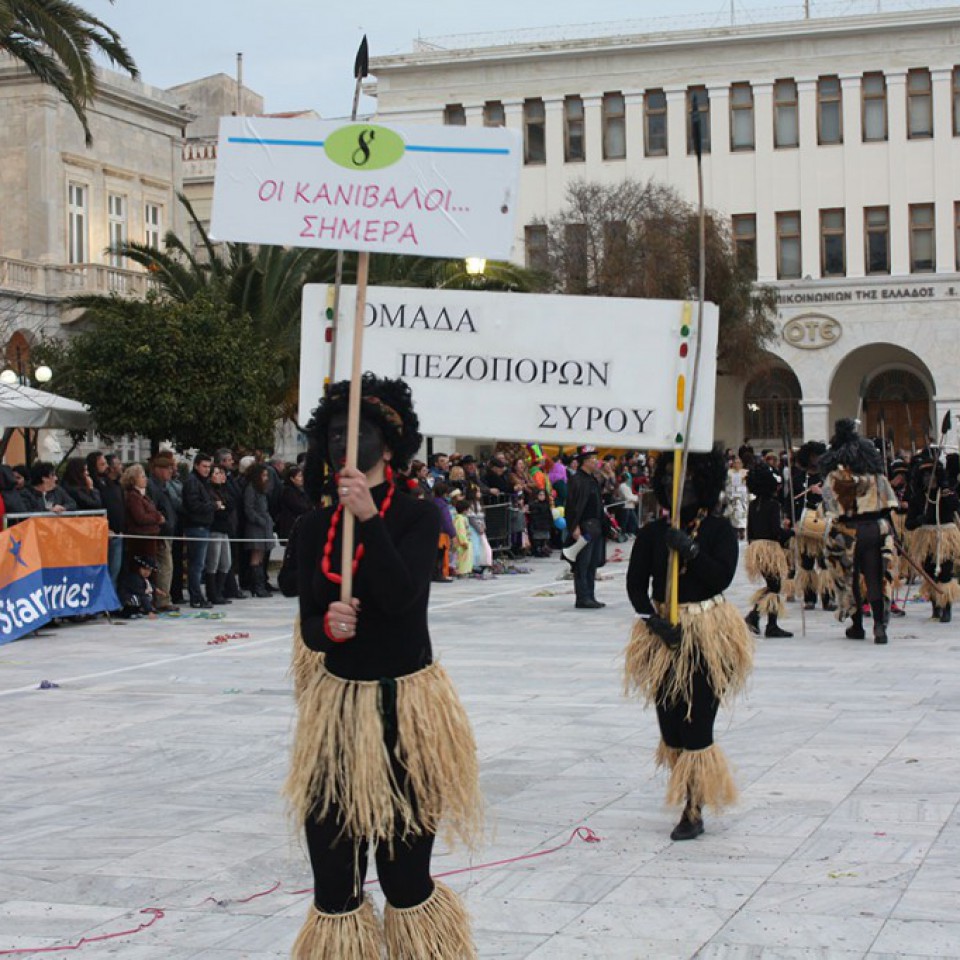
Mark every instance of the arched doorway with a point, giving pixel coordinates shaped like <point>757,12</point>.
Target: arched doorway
<point>900,398</point>
<point>887,378</point>
<point>772,406</point>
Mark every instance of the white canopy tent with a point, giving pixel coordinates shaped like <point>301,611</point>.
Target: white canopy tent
<point>32,409</point>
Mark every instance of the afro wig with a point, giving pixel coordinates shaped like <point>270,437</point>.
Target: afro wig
<point>707,471</point>
<point>849,449</point>
<point>387,403</point>
<point>809,452</point>
<point>762,481</point>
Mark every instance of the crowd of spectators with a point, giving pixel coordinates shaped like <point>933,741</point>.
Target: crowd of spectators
<point>200,534</point>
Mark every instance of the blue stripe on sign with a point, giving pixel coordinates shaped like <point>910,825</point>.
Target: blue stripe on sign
<point>277,143</point>
<point>497,150</point>
<point>412,148</point>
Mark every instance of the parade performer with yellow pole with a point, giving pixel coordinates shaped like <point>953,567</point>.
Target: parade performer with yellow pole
<point>690,650</point>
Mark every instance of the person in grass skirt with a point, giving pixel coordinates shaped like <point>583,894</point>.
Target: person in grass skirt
<point>858,499</point>
<point>935,537</point>
<point>689,670</point>
<point>766,559</point>
<point>383,755</point>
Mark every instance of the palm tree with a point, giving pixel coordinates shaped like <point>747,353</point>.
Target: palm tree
<point>55,40</point>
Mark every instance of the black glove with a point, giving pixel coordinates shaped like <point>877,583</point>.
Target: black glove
<point>683,543</point>
<point>666,631</point>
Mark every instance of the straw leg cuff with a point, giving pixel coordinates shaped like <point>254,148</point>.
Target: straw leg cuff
<point>340,936</point>
<point>437,929</point>
<point>704,778</point>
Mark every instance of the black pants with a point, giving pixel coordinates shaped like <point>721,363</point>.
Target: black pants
<point>340,866</point>
<point>696,733</point>
<point>585,570</point>
<point>868,563</point>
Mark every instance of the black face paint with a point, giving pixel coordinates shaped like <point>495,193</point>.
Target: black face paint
<point>370,448</point>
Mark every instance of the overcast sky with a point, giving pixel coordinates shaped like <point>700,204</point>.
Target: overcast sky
<point>299,53</point>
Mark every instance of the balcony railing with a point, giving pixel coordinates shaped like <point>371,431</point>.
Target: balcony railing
<point>58,281</point>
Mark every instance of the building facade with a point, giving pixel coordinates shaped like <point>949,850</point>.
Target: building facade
<point>833,145</point>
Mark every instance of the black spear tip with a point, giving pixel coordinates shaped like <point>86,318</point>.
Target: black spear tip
<point>695,128</point>
<point>361,66</point>
<point>945,426</point>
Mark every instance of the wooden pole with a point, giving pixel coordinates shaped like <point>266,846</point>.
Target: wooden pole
<point>353,421</point>
<point>788,446</point>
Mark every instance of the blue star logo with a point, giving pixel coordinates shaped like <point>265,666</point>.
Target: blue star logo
<point>15,547</point>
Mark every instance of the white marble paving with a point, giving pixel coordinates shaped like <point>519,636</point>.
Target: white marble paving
<point>151,779</point>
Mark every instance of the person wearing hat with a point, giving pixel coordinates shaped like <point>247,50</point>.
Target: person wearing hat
<point>766,560</point>
<point>135,590</point>
<point>858,499</point>
<point>935,538</point>
<point>584,515</point>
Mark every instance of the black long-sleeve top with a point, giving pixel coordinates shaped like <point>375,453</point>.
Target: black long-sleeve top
<point>765,521</point>
<point>392,584</point>
<point>701,578</point>
<point>930,510</point>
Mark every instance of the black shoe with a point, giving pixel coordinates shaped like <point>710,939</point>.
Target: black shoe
<point>689,828</point>
<point>855,632</point>
<point>201,604</point>
<point>589,605</point>
<point>775,632</point>
<point>810,605</point>
<point>946,614</point>
<point>753,621</point>
<point>829,606</point>
<point>879,633</point>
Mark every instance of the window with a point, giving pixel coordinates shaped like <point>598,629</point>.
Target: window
<point>788,246</point>
<point>117,225</point>
<point>493,115</point>
<point>786,129</point>
<point>829,111</point>
<point>876,230</point>
<point>833,247</point>
<point>919,105</point>
<point>873,91</point>
<point>741,117</point>
<point>923,245</point>
<point>655,123</point>
<point>77,223</point>
<point>454,115</point>
<point>575,257</point>
<point>772,405</point>
<point>745,241</point>
<point>534,132</point>
<point>153,224</point>
<point>535,244</point>
<point>574,148</point>
<point>698,99</point>
<point>614,127</point>
<point>956,101</point>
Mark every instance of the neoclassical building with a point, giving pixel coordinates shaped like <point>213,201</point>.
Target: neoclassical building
<point>833,144</point>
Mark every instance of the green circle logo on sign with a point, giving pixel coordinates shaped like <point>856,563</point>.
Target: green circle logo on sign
<point>364,146</point>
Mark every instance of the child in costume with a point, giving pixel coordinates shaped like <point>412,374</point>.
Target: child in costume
<point>464,545</point>
<point>383,754</point>
<point>690,669</point>
<point>766,560</point>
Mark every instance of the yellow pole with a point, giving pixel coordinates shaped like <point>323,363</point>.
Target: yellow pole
<point>674,566</point>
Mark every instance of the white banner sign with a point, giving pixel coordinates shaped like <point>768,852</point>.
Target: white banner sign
<point>526,367</point>
<point>421,191</point>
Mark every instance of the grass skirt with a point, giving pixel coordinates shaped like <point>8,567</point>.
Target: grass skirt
<point>767,604</point>
<point>304,663</point>
<point>713,634</point>
<point>765,558</point>
<point>924,543</point>
<point>340,759</point>
<point>948,592</point>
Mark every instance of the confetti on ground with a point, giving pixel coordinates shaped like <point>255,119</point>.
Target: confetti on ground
<point>226,638</point>
<point>48,685</point>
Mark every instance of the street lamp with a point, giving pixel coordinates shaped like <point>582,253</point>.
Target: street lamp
<point>475,266</point>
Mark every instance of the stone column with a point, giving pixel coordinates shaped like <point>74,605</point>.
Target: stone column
<point>593,128</point>
<point>852,157</point>
<point>899,198</point>
<point>817,424</point>
<point>809,218</point>
<point>766,204</point>
<point>943,173</point>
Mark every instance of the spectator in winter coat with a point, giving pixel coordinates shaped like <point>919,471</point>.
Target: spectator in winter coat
<point>78,484</point>
<point>218,549</point>
<point>160,490</point>
<point>294,502</point>
<point>43,495</point>
<point>143,518</point>
<point>258,526</point>
<point>135,591</point>
<point>199,508</point>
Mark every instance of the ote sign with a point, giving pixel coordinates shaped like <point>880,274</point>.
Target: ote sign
<point>525,367</point>
<point>421,191</point>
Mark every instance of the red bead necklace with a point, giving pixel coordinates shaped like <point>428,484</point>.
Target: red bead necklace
<point>331,575</point>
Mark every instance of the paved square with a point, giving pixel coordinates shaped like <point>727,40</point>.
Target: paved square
<point>150,779</point>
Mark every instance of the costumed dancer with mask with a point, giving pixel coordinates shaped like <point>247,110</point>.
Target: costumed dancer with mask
<point>807,516</point>
<point>689,670</point>
<point>383,750</point>
<point>935,538</point>
<point>858,498</point>
<point>766,559</point>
